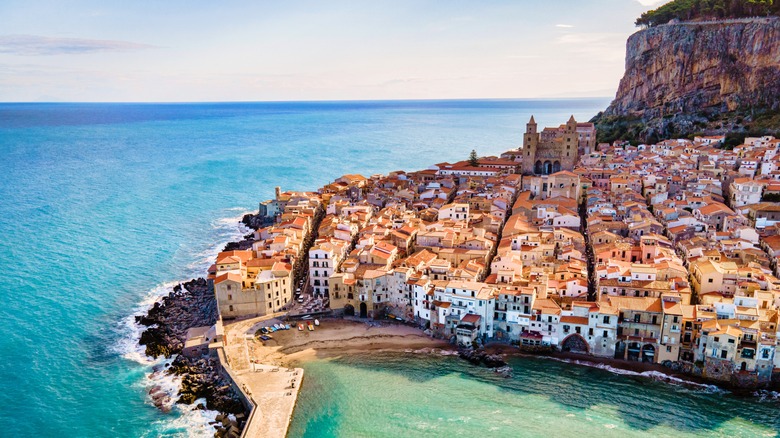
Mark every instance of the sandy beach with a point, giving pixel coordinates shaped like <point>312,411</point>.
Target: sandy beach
<point>335,337</point>
<point>269,373</point>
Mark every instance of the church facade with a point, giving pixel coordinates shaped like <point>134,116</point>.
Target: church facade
<point>551,150</point>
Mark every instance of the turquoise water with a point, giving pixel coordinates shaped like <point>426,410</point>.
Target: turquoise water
<point>102,205</point>
<point>426,395</point>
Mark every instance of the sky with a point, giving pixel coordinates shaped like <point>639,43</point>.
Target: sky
<point>197,51</point>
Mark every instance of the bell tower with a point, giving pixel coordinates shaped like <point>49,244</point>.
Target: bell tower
<point>530,142</point>
<point>571,125</point>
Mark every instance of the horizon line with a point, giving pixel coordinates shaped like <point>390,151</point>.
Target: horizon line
<point>147,102</point>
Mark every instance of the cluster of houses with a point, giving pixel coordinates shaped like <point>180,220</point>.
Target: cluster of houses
<point>663,253</point>
<point>260,279</point>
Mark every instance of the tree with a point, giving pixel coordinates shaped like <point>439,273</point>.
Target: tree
<point>473,159</point>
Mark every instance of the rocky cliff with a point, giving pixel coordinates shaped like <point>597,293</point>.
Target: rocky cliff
<point>698,77</point>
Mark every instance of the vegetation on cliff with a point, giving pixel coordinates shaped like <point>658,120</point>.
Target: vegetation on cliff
<point>695,10</point>
<point>736,125</point>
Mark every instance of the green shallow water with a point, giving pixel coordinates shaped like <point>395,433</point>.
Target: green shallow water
<point>427,395</point>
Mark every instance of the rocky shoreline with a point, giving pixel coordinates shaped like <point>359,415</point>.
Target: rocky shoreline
<point>190,304</point>
<point>669,372</point>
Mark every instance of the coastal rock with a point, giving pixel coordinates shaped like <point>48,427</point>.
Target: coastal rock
<point>255,221</point>
<point>505,371</point>
<point>190,304</point>
<point>477,357</point>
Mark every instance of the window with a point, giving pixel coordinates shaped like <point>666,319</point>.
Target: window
<point>724,354</point>
<point>709,280</point>
<point>230,297</point>
<point>606,320</point>
<point>606,335</point>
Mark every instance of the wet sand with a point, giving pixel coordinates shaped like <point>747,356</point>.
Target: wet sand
<point>335,337</point>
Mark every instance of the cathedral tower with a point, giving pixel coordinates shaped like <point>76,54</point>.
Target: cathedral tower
<point>530,142</point>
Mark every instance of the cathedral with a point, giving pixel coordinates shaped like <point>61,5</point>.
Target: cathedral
<point>555,149</point>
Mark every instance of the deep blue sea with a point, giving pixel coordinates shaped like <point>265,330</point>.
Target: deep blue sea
<point>105,206</point>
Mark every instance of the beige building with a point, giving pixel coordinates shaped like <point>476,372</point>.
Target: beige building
<point>239,296</point>
<point>552,150</point>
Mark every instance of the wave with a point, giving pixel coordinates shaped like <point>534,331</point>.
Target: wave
<point>766,395</point>
<point>160,387</point>
<point>655,375</point>
<point>223,230</point>
<point>428,350</point>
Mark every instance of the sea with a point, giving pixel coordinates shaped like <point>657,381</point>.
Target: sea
<point>105,207</point>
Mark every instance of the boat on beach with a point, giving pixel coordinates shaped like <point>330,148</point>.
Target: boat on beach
<point>311,327</point>
<point>317,322</point>
<point>300,327</point>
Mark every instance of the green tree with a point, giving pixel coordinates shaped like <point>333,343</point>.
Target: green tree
<point>473,159</point>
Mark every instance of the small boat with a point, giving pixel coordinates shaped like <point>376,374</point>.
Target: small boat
<point>287,326</point>
<point>311,327</point>
<point>300,327</point>
<point>317,322</point>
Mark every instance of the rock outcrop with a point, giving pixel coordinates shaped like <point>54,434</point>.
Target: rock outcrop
<point>708,77</point>
<point>190,304</point>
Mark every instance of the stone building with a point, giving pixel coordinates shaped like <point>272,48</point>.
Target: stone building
<point>552,150</point>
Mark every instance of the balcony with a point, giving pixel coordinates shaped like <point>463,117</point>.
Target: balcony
<point>638,339</point>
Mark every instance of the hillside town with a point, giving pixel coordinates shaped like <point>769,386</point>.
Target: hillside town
<point>661,253</point>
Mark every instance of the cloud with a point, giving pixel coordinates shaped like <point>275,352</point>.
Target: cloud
<point>34,45</point>
<point>605,46</point>
<point>565,26</point>
<point>650,2</point>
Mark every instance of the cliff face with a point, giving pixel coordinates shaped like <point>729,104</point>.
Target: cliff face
<point>690,74</point>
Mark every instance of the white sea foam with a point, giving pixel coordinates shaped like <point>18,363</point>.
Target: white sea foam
<point>226,229</point>
<point>766,395</point>
<point>184,420</point>
<point>655,375</point>
<point>130,332</point>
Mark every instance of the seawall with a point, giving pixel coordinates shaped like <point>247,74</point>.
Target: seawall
<point>268,392</point>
